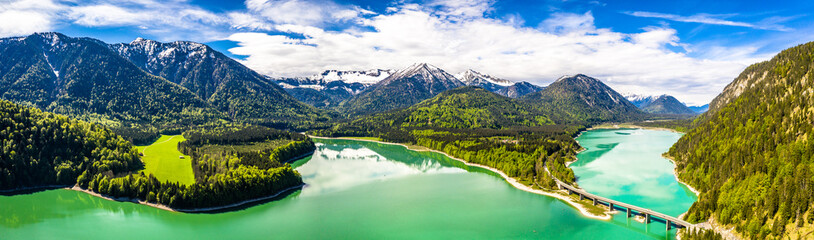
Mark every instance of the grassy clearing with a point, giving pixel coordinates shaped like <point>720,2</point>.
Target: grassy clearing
<point>162,159</point>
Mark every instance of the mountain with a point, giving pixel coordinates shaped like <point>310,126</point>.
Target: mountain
<point>368,77</point>
<point>641,101</point>
<point>750,154</point>
<point>401,89</point>
<point>699,109</point>
<point>581,98</point>
<point>232,88</point>
<point>497,85</point>
<point>472,78</point>
<point>519,89</point>
<point>84,78</point>
<point>46,149</point>
<point>331,87</point>
<point>469,107</point>
<point>666,104</point>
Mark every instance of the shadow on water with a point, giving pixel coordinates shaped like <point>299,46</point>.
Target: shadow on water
<point>291,192</point>
<point>31,190</point>
<point>594,153</point>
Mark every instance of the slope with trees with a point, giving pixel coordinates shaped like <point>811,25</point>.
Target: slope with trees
<point>232,88</point>
<point>583,99</point>
<point>43,149</point>
<point>750,154</point>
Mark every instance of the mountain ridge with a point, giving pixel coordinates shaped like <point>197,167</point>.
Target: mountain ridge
<point>580,98</point>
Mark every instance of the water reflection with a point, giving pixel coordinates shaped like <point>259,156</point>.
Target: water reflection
<point>335,167</point>
<point>627,165</point>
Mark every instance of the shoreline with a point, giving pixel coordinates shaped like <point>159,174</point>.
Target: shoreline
<point>631,126</point>
<point>513,182</point>
<point>192,210</point>
<point>26,189</point>
<point>675,173</point>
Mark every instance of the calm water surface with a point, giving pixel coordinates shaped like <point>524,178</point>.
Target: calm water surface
<point>626,165</point>
<point>356,190</point>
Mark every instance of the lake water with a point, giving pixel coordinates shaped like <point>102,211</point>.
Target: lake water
<point>626,165</point>
<point>355,190</point>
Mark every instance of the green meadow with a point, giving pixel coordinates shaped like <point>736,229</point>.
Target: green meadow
<point>165,162</point>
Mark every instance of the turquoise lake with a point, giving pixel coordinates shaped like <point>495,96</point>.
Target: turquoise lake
<point>363,190</point>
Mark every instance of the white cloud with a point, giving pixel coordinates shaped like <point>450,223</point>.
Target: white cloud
<point>26,16</point>
<point>565,44</point>
<point>168,20</point>
<point>714,19</point>
<point>457,9</point>
<point>304,12</point>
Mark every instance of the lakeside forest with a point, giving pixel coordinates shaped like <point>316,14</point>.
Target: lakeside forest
<point>749,155</point>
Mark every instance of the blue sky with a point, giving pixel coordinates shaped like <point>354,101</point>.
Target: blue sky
<point>689,49</point>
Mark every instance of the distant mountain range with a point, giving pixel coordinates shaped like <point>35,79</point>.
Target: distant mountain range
<point>86,79</point>
<point>143,83</point>
<point>167,85</point>
<point>331,87</point>
<point>662,104</point>
<point>699,109</point>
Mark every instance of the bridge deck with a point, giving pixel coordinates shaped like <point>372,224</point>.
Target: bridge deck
<point>640,210</point>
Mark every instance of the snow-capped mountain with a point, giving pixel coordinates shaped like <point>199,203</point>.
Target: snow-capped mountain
<point>659,104</point>
<point>641,100</point>
<point>330,87</point>
<point>368,77</point>
<point>401,89</point>
<point>472,78</point>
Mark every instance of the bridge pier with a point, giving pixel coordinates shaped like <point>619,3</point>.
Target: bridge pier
<point>610,206</point>
<point>668,225</point>
<point>646,218</point>
<point>594,201</point>
<point>628,212</point>
<point>581,197</point>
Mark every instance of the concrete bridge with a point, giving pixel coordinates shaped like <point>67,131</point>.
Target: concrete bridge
<point>631,209</point>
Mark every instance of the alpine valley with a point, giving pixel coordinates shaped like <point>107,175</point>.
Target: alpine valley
<point>182,127</point>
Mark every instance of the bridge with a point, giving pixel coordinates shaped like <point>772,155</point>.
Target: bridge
<point>631,209</point>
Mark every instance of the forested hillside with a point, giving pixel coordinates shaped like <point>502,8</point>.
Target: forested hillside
<point>666,104</point>
<point>583,99</point>
<point>83,78</point>
<point>232,88</point>
<point>751,154</point>
<point>481,127</point>
<point>42,149</point>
